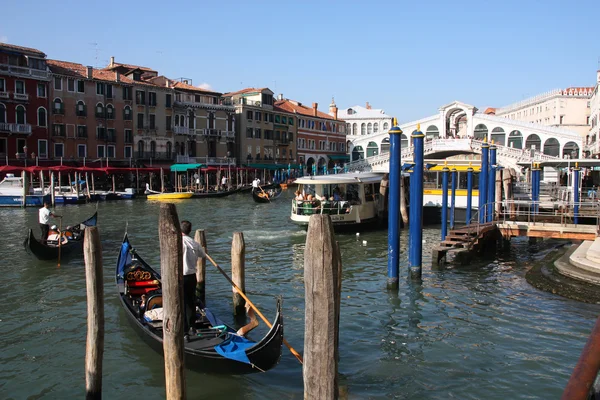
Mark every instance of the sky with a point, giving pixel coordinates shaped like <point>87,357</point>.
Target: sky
<point>406,57</point>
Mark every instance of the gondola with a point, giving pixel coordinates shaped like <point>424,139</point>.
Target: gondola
<point>223,193</point>
<point>72,241</point>
<point>265,196</point>
<point>212,351</point>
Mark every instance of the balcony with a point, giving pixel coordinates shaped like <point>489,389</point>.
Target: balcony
<point>15,128</point>
<point>58,111</point>
<point>60,133</point>
<point>24,71</point>
<point>21,96</point>
<point>153,155</point>
<point>3,95</point>
<point>214,161</point>
<point>181,130</point>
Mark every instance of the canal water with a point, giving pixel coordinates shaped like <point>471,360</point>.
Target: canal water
<point>474,332</point>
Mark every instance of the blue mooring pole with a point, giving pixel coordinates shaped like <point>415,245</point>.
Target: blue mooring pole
<point>469,193</point>
<point>491,192</point>
<point>394,209</point>
<point>415,218</point>
<point>576,194</point>
<point>483,178</point>
<point>534,187</point>
<point>445,171</point>
<point>453,197</point>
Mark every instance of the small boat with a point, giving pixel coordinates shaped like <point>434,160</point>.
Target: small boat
<point>351,200</point>
<point>71,241</point>
<point>223,193</point>
<point>11,193</point>
<point>217,349</point>
<point>170,196</point>
<point>266,196</point>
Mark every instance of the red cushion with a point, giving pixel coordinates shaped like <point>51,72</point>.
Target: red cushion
<point>151,282</point>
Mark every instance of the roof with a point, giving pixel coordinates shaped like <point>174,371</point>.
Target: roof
<point>490,110</point>
<point>352,177</point>
<point>185,86</point>
<point>31,51</point>
<point>130,67</point>
<point>299,108</point>
<point>80,71</point>
<point>244,91</point>
<point>362,113</point>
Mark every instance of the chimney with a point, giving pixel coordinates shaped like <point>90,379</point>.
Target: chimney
<point>112,61</point>
<point>315,105</point>
<point>90,72</point>
<point>368,106</point>
<point>280,96</point>
<point>335,110</point>
<point>167,84</point>
<point>117,76</point>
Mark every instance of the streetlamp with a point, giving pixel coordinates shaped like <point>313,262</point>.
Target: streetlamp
<point>25,152</point>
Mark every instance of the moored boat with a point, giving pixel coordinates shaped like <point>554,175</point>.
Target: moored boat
<point>212,350</point>
<point>170,196</point>
<point>11,194</point>
<point>71,241</point>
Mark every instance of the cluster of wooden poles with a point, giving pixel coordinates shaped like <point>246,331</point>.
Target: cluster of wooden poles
<point>322,279</point>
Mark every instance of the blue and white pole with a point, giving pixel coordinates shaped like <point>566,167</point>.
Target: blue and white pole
<point>445,172</point>
<point>576,193</point>
<point>453,197</point>
<point>483,181</point>
<point>469,193</point>
<point>491,192</point>
<point>415,254</point>
<point>394,209</point>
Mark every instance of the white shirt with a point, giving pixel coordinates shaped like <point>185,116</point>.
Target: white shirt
<point>255,183</point>
<point>191,252</point>
<point>223,180</point>
<point>45,215</point>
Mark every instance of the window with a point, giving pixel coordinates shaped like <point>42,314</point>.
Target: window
<point>20,87</point>
<point>81,131</point>
<point>2,85</point>
<point>100,88</point>
<point>41,90</point>
<point>57,83</point>
<point>249,115</point>
<point>385,126</point>
<point>21,143</point>
<point>277,119</point>
<point>42,120</point>
<point>111,135</point>
<point>42,148</point>
<point>110,111</point>
<point>152,121</point>
<point>140,97</point>
<point>369,129</point>
<point>58,107</point>
<point>99,110</point>
<point>257,133</point>
<point>80,86</point>
<point>168,100</point>
<point>59,150</point>
<point>249,132</point>
<point>127,152</point>
<point>128,136</point>
<point>291,121</point>
<point>283,120</point>
<point>257,115</point>
<point>375,127</point>
<point>100,133</point>
<point>168,122</point>
<point>152,99</point>
<point>140,120</point>
<point>127,116</point>
<point>2,116</point>
<point>363,129</point>
<point>153,149</point>
<point>290,137</point>
<point>258,152</point>
<point>20,114</point>
<point>110,151</point>
<point>109,91</point>
<point>81,109</point>
<point>70,84</point>
<point>100,151</point>
<point>81,150</point>
<point>140,149</point>
<point>127,93</point>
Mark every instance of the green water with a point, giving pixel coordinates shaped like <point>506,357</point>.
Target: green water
<point>474,332</point>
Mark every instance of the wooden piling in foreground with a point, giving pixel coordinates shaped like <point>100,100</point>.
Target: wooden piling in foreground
<point>171,261</point>
<point>24,177</point>
<point>238,272</point>
<point>321,282</point>
<point>585,372</point>
<point>200,238</point>
<point>52,194</point>
<point>94,346</point>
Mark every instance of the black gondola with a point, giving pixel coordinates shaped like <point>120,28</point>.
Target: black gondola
<point>224,193</point>
<point>266,196</point>
<point>72,241</point>
<point>210,351</point>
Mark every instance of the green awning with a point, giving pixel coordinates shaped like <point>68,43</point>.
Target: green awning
<point>185,167</point>
<point>339,157</point>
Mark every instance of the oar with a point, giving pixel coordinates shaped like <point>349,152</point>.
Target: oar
<point>59,239</point>
<point>266,321</point>
<point>266,195</point>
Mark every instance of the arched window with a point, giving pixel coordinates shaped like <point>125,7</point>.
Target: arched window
<point>176,121</point>
<point>153,149</point>
<point>21,118</point>
<point>2,113</point>
<point>169,149</point>
<point>127,116</point>
<point>110,111</point>
<point>42,117</point>
<point>140,149</point>
<point>385,126</point>
<point>80,110</point>
<point>363,129</point>
<point>369,129</point>
<point>99,110</point>
<point>354,129</point>
<point>57,106</point>
<point>375,127</point>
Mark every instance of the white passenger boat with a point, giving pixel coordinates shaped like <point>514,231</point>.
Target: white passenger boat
<point>11,193</point>
<point>351,200</point>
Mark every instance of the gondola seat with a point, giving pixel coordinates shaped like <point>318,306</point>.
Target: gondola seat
<point>154,301</point>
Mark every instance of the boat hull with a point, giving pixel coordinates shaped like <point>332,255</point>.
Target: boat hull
<point>17,201</point>
<point>170,196</point>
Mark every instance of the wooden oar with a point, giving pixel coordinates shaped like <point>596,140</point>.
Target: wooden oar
<point>266,321</point>
<point>266,195</point>
<point>59,239</point>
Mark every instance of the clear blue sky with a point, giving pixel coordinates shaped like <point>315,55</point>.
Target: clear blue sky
<point>407,57</point>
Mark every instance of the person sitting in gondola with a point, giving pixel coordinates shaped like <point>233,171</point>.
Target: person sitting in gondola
<point>192,251</point>
<point>44,218</point>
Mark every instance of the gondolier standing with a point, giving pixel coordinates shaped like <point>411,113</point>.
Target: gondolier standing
<point>44,218</point>
<point>191,252</point>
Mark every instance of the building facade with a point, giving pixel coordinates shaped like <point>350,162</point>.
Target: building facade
<point>567,109</point>
<point>321,138</point>
<point>592,139</point>
<point>366,120</point>
<point>24,103</point>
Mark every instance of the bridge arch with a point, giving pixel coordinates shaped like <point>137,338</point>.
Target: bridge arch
<point>499,136</point>
<point>570,149</point>
<point>403,141</point>
<point>432,132</point>
<point>515,139</point>
<point>551,147</point>
<point>385,145</point>
<point>480,132</point>
<point>533,141</point>
<point>372,149</point>
<point>358,153</point>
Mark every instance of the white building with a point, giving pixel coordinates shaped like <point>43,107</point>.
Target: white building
<point>592,142</point>
<point>562,108</point>
<point>364,120</point>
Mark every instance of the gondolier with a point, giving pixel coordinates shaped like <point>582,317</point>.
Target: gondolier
<point>192,251</point>
<point>44,218</point>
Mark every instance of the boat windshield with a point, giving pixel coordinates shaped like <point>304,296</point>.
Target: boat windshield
<point>11,183</point>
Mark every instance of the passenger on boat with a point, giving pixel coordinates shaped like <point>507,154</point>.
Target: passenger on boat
<point>191,253</point>
<point>336,195</point>
<point>44,218</point>
<point>299,196</point>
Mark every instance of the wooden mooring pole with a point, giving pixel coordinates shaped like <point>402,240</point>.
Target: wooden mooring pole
<point>238,273</point>
<point>586,370</point>
<point>200,238</point>
<point>94,347</point>
<point>321,331</point>
<point>171,261</point>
